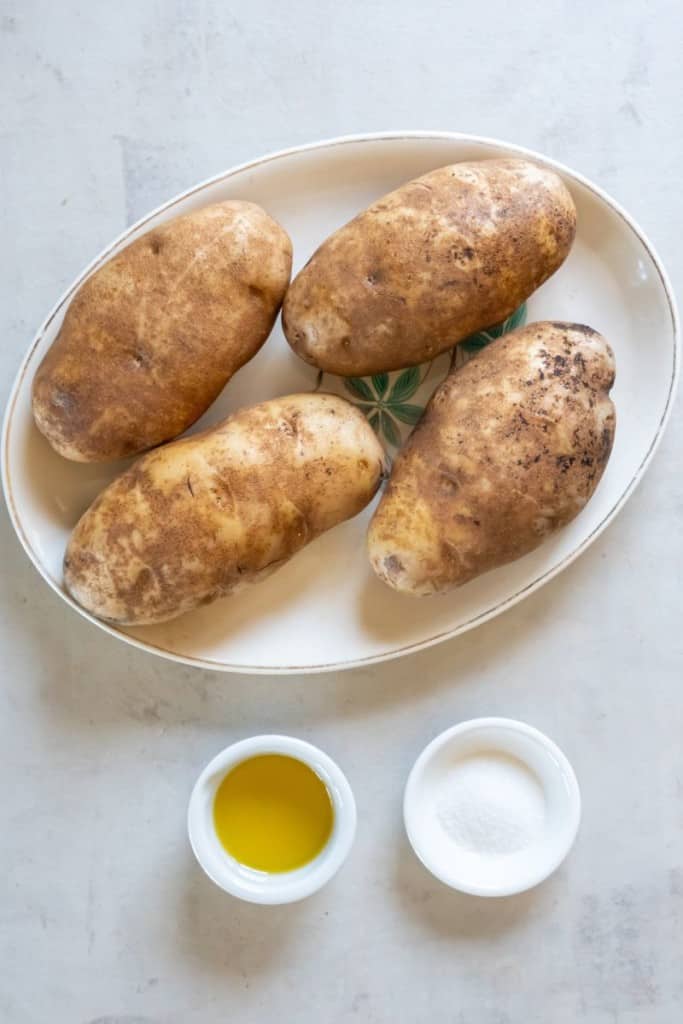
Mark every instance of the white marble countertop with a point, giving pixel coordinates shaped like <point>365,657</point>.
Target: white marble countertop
<point>104,917</point>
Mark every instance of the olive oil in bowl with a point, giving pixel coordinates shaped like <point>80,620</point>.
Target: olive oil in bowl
<point>271,819</point>
<point>273,813</point>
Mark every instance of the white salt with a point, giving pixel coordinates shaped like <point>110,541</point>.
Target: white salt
<point>491,804</point>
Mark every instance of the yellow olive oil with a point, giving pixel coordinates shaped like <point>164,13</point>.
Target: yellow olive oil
<point>273,813</point>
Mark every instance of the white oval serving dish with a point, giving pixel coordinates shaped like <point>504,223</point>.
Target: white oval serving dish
<point>325,610</point>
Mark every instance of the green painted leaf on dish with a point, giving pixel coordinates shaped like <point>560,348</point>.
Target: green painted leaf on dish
<point>380,383</point>
<point>390,430</point>
<point>365,407</point>
<point>374,422</point>
<point>358,388</point>
<point>407,413</point>
<point>477,341</point>
<point>481,339</point>
<point>405,385</point>
<point>517,319</point>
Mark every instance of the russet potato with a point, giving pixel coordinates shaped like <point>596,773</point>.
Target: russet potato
<point>201,517</point>
<point>450,253</point>
<point>510,448</point>
<point>152,337</point>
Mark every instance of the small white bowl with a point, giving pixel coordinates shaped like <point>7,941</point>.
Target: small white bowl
<point>260,886</point>
<point>502,874</point>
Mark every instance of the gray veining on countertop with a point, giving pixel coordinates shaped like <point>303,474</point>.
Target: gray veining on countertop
<point>104,917</point>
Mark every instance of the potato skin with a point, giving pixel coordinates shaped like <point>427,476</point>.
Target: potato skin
<point>153,336</point>
<point>450,253</point>
<point>196,519</point>
<point>510,449</point>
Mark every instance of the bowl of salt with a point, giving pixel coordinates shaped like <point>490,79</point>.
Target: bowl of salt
<point>492,807</point>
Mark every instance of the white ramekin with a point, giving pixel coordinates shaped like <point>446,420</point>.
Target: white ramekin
<point>259,886</point>
<point>513,874</point>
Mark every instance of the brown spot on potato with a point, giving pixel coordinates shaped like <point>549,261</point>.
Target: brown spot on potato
<point>144,579</point>
<point>288,425</point>
<point>449,480</point>
<point>139,358</point>
<point>606,441</point>
<point>561,325</point>
<point>392,565</point>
